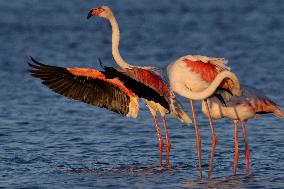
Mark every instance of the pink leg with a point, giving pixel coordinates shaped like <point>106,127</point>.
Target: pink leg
<point>160,139</point>
<point>246,147</point>
<point>236,156</point>
<point>214,138</point>
<point>198,140</point>
<point>168,149</point>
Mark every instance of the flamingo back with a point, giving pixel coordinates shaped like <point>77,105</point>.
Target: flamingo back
<point>148,78</point>
<point>143,83</point>
<point>247,106</point>
<point>197,72</point>
<point>219,63</point>
<point>260,103</point>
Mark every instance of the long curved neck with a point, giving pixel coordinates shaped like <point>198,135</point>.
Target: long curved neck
<point>209,91</point>
<point>115,43</point>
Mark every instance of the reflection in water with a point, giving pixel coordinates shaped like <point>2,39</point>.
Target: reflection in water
<point>238,181</point>
<point>138,170</point>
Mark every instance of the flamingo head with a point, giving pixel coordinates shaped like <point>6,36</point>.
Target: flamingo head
<point>102,11</point>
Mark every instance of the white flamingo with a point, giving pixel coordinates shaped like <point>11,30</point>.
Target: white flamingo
<point>104,89</point>
<point>249,105</point>
<point>197,78</point>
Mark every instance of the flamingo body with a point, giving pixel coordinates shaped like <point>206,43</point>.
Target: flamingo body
<point>195,72</point>
<point>249,105</point>
<point>150,79</point>
<point>145,84</point>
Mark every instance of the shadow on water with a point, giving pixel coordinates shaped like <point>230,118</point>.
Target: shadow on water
<point>136,169</point>
<point>238,181</point>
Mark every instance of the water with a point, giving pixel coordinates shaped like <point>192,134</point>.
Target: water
<point>47,141</point>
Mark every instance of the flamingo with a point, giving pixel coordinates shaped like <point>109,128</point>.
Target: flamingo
<point>104,89</point>
<point>197,78</point>
<point>249,105</point>
<point>151,77</point>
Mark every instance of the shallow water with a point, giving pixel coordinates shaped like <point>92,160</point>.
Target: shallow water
<point>47,141</point>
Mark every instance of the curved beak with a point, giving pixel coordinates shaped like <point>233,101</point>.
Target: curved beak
<point>90,14</point>
<point>221,99</point>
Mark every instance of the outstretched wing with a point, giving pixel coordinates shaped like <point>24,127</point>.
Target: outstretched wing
<point>87,85</point>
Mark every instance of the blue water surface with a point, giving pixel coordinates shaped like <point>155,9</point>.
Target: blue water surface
<point>48,141</point>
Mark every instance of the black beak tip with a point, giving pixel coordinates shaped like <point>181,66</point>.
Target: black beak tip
<point>90,14</point>
<point>221,99</point>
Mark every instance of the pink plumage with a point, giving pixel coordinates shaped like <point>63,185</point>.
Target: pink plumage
<point>197,78</point>
<point>149,79</point>
<point>250,104</point>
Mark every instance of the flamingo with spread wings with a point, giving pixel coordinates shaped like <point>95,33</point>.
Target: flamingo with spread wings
<point>114,89</point>
<point>250,104</point>
<point>151,77</point>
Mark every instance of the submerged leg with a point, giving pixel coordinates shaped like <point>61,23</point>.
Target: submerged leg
<point>160,139</point>
<point>168,144</point>
<point>246,147</point>
<point>198,140</point>
<point>214,138</point>
<point>236,155</point>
